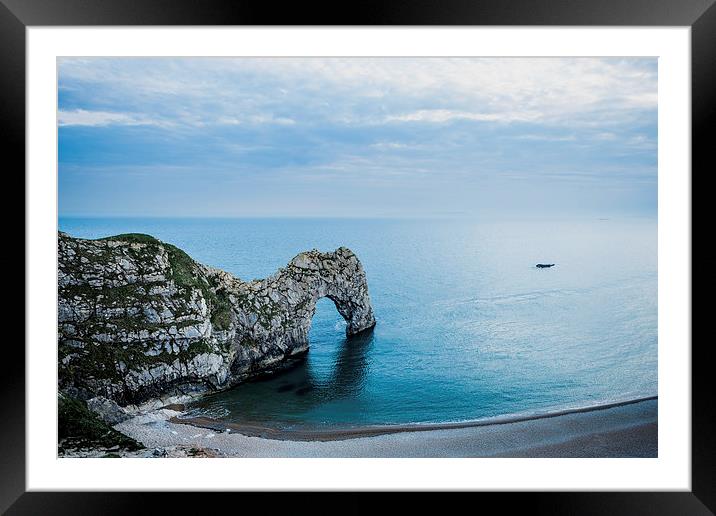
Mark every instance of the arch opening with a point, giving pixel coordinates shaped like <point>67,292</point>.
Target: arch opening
<point>337,363</point>
<point>327,322</point>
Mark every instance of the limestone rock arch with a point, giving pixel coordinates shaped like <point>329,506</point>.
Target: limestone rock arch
<point>140,320</point>
<point>276,312</point>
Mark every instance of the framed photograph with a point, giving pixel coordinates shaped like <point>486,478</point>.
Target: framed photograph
<point>421,249</point>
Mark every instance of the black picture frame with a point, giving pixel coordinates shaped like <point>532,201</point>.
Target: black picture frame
<point>700,15</point>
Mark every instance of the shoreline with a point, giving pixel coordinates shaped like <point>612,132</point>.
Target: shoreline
<point>622,429</point>
<point>335,434</point>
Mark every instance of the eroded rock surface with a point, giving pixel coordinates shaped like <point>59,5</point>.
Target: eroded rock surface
<point>140,320</point>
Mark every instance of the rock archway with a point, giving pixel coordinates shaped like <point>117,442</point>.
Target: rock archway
<point>140,320</point>
<point>286,302</point>
<point>339,276</point>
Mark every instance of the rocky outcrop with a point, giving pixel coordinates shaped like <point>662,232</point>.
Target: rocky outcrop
<point>140,320</point>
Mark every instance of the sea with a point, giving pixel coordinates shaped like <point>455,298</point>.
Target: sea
<point>467,327</point>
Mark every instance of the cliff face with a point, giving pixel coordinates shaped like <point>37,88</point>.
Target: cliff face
<point>139,319</point>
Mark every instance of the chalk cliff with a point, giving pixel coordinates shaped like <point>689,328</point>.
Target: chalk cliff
<point>140,320</point>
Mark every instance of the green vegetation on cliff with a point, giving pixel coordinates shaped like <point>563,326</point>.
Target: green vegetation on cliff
<point>184,276</point>
<point>78,428</point>
<point>133,238</point>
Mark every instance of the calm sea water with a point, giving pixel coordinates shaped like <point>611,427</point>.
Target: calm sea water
<point>467,326</point>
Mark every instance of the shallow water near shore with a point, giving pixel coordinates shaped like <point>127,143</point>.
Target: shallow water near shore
<point>467,328</point>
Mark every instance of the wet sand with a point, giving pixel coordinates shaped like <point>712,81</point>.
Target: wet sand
<point>627,429</point>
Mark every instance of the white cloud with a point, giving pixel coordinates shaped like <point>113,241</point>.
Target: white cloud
<point>606,136</point>
<point>82,117</point>
<point>447,115</point>
<point>356,91</point>
<point>642,142</point>
<point>255,119</point>
<point>510,89</point>
<point>228,120</point>
<point>644,99</point>
<point>547,137</point>
<point>389,145</point>
<point>271,119</point>
<point>103,118</point>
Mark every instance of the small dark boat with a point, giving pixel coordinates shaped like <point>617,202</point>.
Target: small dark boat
<point>544,265</point>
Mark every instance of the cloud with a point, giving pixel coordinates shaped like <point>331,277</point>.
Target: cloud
<point>439,127</point>
<point>349,91</point>
<point>103,118</point>
<point>547,137</point>
<point>82,117</point>
<point>390,145</point>
<point>447,115</point>
<point>271,119</point>
<point>255,119</point>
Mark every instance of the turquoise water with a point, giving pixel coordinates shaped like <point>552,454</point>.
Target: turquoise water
<point>467,326</point>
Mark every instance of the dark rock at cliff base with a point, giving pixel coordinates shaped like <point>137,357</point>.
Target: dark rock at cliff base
<point>544,265</point>
<point>79,428</point>
<point>140,320</point>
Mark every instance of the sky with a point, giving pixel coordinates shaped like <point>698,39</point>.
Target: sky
<point>357,137</point>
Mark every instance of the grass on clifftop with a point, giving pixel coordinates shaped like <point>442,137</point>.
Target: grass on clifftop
<point>184,275</point>
<point>78,427</point>
<point>133,238</point>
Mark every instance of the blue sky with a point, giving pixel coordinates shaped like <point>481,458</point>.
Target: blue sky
<point>357,137</point>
